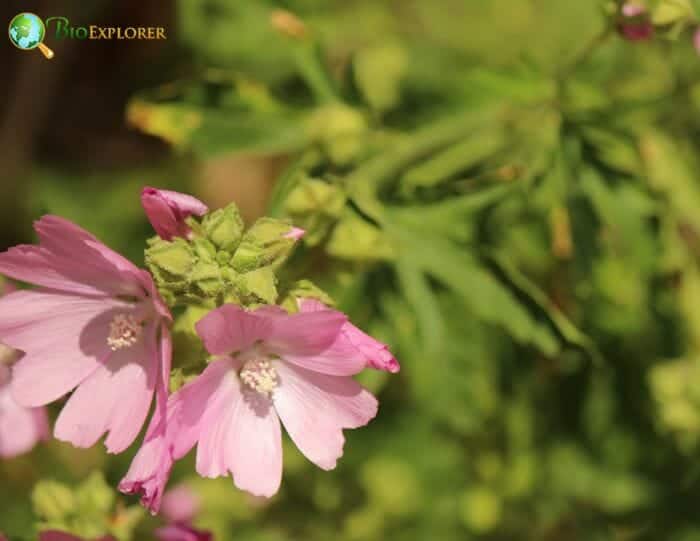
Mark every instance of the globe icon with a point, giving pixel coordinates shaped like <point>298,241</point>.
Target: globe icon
<point>26,31</point>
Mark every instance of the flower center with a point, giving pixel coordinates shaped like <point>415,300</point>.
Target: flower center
<point>124,331</point>
<point>260,376</point>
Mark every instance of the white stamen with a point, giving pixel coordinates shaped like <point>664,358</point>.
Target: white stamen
<point>260,376</point>
<point>124,331</point>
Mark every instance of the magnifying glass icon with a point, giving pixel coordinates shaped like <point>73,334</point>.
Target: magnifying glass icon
<point>27,32</point>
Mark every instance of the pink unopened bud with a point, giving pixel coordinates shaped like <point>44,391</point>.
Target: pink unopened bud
<point>295,233</point>
<point>168,210</point>
<point>634,23</point>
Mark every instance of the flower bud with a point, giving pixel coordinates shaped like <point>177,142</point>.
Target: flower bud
<point>52,501</point>
<point>224,228</point>
<point>257,287</point>
<point>167,211</point>
<point>635,23</point>
<point>340,130</point>
<point>268,243</point>
<point>316,206</point>
<point>170,264</point>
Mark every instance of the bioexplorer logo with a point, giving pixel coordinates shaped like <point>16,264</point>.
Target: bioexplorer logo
<point>27,31</point>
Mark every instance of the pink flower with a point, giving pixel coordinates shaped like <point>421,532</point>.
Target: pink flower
<point>376,354</point>
<point>180,504</point>
<point>696,40</point>
<point>20,428</point>
<point>96,324</point>
<point>634,23</point>
<point>270,366</point>
<point>55,535</point>
<point>181,532</point>
<point>167,211</point>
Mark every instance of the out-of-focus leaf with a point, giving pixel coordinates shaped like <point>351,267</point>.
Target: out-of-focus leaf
<point>378,72</point>
<point>453,160</point>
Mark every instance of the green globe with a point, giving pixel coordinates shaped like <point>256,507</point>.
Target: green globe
<point>26,31</point>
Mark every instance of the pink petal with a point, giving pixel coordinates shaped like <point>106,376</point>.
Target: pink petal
<point>631,9</point>
<point>376,354</point>
<point>314,409</point>
<point>295,233</point>
<point>241,434</point>
<point>55,535</point>
<point>193,400</point>
<point>63,337</point>
<point>180,504</point>
<point>254,445</point>
<point>149,472</point>
<point>167,211</point>
<point>150,469</point>
<point>115,399</point>
<point>20,428</point>
<point>230,328</point>
<point>70,259</point>
<point>315,341</point>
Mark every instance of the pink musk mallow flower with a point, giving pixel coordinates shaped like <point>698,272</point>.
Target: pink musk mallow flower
<point>96,324</point>
<point>20,428</point>
<point>180,505</point>
<point>376,354</point>
<point>168,210</point>
<point>268,366</point>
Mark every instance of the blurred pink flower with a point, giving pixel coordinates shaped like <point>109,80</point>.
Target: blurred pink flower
<point>180,504</point>
<point>376,354</point>
<point>20,428</point>
<point>696,40</point>
<point>634,23</point>
<point>167,211</point>
<point>181,532</point>
<point>96,324</point>
<point>270,365</point>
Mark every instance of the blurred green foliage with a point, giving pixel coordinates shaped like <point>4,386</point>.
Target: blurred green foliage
<point>505,192</point>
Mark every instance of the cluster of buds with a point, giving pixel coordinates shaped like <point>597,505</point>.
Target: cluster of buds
<point>217,261</point>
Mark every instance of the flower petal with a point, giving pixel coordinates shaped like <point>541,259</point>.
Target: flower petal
<point>315,341</point>
<point>241,434</point>
<point>230,328</point>
<point>375,353</point>
<point>115,398</point>
<point>20,428</point>
<point>167,211</point>
<point>70,259</point>
<point>314,409</point>
<point>63,337</point>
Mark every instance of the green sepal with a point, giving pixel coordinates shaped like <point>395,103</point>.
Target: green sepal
<point>224,228</point>
<point>303,289</point>
<point>264,244</point>
<point>257,286</point>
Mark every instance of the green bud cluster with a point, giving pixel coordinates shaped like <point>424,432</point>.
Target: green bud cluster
<point>221,262</point>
